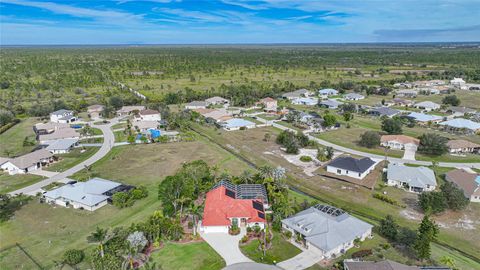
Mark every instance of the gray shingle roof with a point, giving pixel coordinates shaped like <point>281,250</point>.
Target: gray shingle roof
<point>381,265</point>
<point>30,159</point>
<point>414,176</point>
<point>385,111</point>
<point>61,112</point>
<point>62,144</point>
<point>327,227</point>
<point>352,164</point>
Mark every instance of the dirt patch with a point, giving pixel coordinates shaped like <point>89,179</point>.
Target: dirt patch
<point>409,214</point>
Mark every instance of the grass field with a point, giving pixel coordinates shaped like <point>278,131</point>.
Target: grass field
<point>120,136</point>
<point>192,256</point>
<point>280,250</point>
<point>58,228</point>
<point>71,159</point>
<point>11,141</point>
<point>354,199</point>
<point>13,182</point>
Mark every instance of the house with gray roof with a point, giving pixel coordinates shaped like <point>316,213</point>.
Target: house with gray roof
<point>28,162</point>
<point>330,104</point>
<point>353,96</point>
<point>62,116</point>
<point>351,167</point>
<point>427,106</point>
<point>424,119</point>
<point>385,265</point>
<point>383,111</point>
<point>325,93</point>
<point>462,126</point>
<point>300,93</point>
<point>326,230</point>
<point>89,195</point>
<point>196,105</point>
<point>62,146</point>
<point>413,179</point>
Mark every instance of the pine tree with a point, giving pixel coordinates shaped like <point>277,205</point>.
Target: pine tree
<point>427,232</point>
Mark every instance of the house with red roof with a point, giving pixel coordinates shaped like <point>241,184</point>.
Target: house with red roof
<point>227,204</point>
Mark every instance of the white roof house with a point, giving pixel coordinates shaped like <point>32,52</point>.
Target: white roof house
<point>459,124</point>
<point>61,146</point>
<point>305,101</point>
<point>297,94</point>
<point>326,230</point>
<point>196,105</point>
<point>353,96</point>
<point>89,195</point>
<point>327,92</point>
<point>330,103</point>
<point>458,82</point>
<point>62,116</point>
<point>425,118</point>
<point>427,105</point>
<point>236,124</point>
<point>415,179</point>
<point>217,101</point>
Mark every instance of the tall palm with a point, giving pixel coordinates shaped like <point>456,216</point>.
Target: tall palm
<point>195,211</point>
<point>246,177</point>
<point>266,171</point>
<point>99,236</point>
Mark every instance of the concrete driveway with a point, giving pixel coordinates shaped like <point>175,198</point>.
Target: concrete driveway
<point>409,152</point>
<point>43,173</point>
<point>302,261</point>
<point>108,142</point>
<point>227,246</point>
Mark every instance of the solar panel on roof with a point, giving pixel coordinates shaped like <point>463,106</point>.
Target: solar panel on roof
<point>230,193</point>
<point>261,215</point>
<point>257,205</point>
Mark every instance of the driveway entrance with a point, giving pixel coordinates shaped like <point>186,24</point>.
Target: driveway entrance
<point>226,245</point>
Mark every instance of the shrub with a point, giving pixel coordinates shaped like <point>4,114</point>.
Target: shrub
<point>369,139</point>
<point>432,202</point>
<point>288,234</point>
<point>73,257</point>
<point>244,239</point>
<point>392,125</point>
<point>305,158</point>
<point>433,144</point>
<point>362,253</point>
<point>387,199</point>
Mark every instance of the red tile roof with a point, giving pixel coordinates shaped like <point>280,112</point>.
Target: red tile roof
<point>219,208</point>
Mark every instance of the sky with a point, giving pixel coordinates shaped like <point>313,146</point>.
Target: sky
<point>62,22</point>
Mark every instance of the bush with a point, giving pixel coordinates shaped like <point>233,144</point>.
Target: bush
<point>451,100</point>
<point>387,199</point>
<point>432,202</point>
<point>8,126</point>
<point>73,257</point>
<point>369,139</point>
<point>392,125</point>
<point>244,239</point>
<point>288,234</point>
<point>362,253</point>
<point>433,144</point>
<point>305,158</point>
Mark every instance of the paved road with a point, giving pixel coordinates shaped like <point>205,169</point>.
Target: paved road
<point>374,156</point>
<point>227,246</point>
<point>108,142</point>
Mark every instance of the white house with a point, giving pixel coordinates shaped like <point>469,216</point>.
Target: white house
<point>427,106</point>
<point>62,146</point>
<point>305,101</point>
<point>457,83</point>
<point>353,96</point>
<point>301,93</point>
<point>196,105</point>
<point>327,92</point>
<point>330,103</point>
<point>28,162</point>
<point>351,167</point>
<point>89,195</point>
<point>414,179</point>
<point>269,104</point>
<point>236,124</point>
<point>148,115</point>
<point>217,101</point>
<point>326,231</point>
<point>399,141</point>
<point>62,116</point>
<point>469,183</point>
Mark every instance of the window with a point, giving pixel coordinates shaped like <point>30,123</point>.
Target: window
<point>359,175</point>
<point>339,171</point>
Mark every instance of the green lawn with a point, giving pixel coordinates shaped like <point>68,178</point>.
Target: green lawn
<point>91,140</point>
<point>281,250</point>
<point>191,256</point>
<point>120,136</point>
<point>13,182</point>
<point>66,161</point>
<point>120,125</point>
<point>58,228</point>
<point>11,141</point>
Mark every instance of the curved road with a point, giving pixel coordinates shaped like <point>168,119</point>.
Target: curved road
<point>108,143</point>
<point>374,156</point>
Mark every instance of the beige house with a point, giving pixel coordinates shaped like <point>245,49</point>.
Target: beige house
<point>463,146</point>
<point>95,111</point>
<point>269,104</point>
<point>398,141</point>
<point>468,182</point>
<point>126,110</point>
<point>27,163</point>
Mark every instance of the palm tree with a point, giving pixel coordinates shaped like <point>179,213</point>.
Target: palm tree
<point>195,211</point>
<point>266,171</point>
<point>246,177</point>
<point>99,236</point>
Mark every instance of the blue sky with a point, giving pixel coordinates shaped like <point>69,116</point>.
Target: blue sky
<point>237,21</point>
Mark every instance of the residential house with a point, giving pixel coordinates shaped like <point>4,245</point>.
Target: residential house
<point>269,104</point>
<point>305,101</point>
<point>49,127</point>
<point>196,105</point>
<point>217,115</point>
<point>473,86</point>
<point>425,119</point>
<point>403,85</point>
<point>227,205</point>
<point>237,124</point>
<point>428,83</point>
<point>468,182</point>
<point>406,93</point>
<point>127,110</point>
<point>427,106</point>
<point>62,116</point>
<point>458,83</point>
<point>327,92</point>
<point>28,162</point>
<point>144,126</point>
<point>402,102</point>
<point>63,133</point>
<point>301,93</point>
<point>95,111</point>
<point>330,104</point>
<point>61,146</point>
<point>463,146</point>
<point>351,167</point>
<point>148,115</point>
<point>217,101</point>
<point>457,111</point>
<point>326,231</point>
<point>383,111</point>
<point>462,126</point>
<point>89,195</point>
<point>353,96</point>
<point>399,141</point>
<point>414,179</point>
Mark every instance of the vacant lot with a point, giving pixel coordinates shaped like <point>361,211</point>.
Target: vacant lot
<point>11,141</point>
<point>57,228</point>
<point>13,182</point>
<point>66,161</point>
